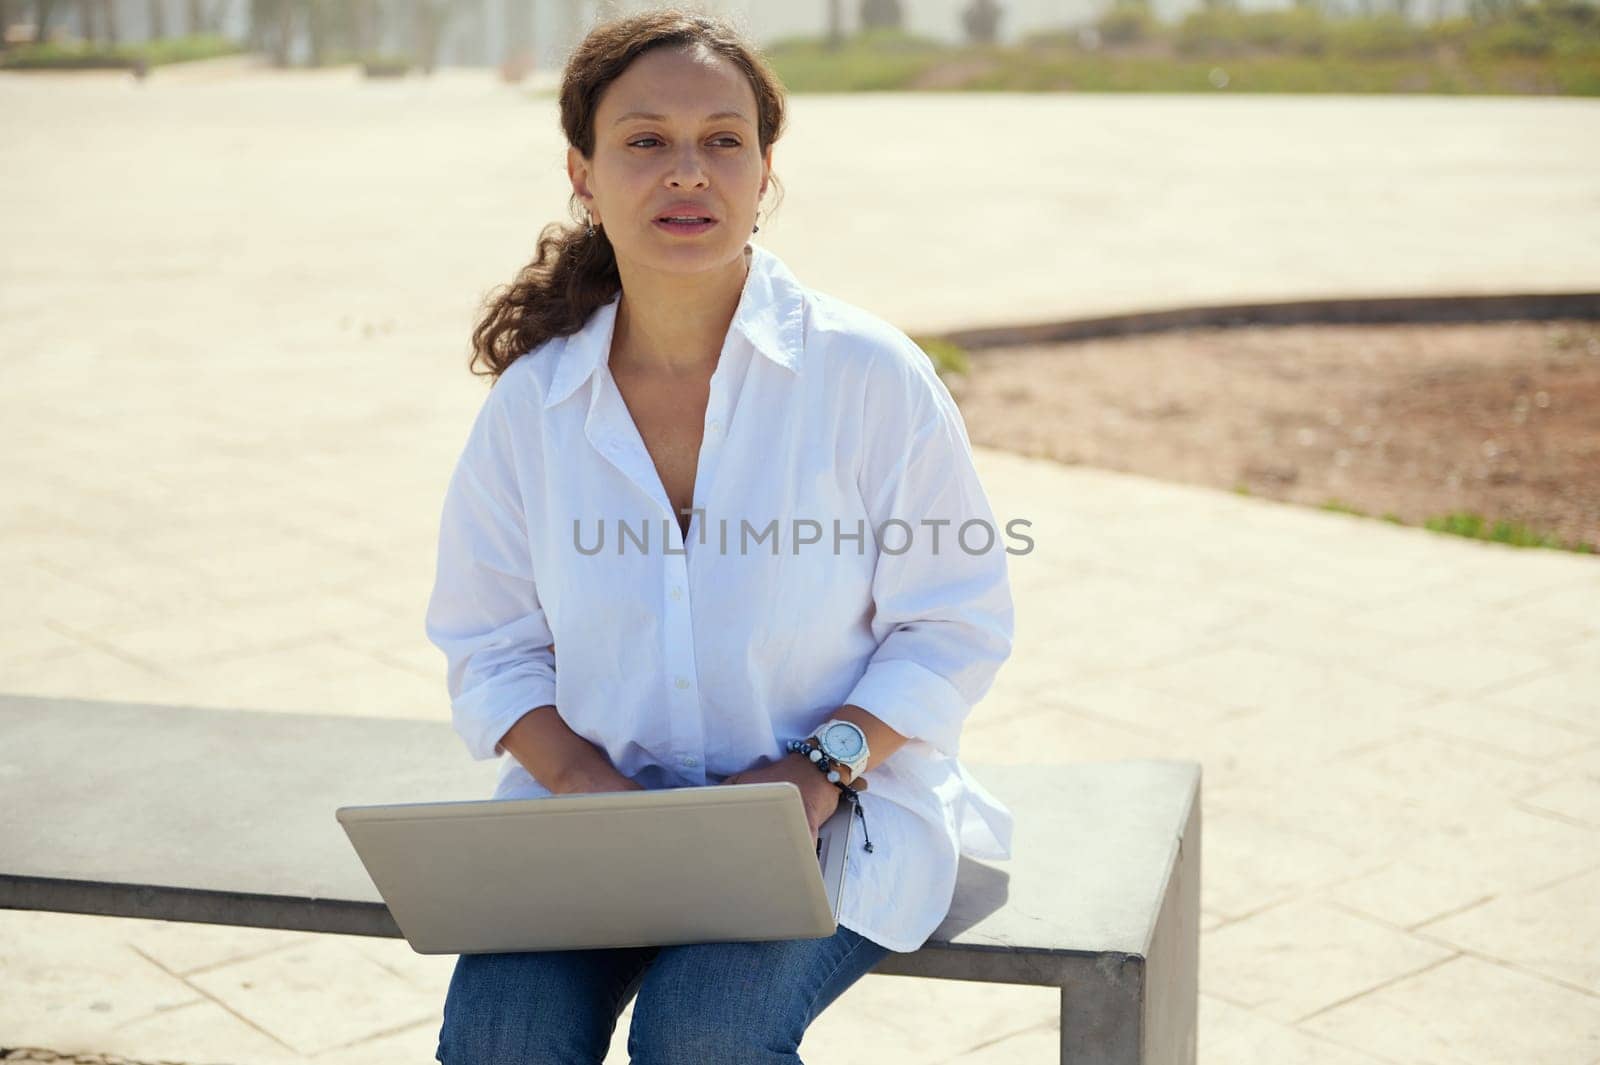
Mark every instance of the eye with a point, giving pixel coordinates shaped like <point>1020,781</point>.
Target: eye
<point>731,142</point>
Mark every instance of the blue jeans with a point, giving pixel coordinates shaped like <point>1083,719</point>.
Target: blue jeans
<point>698,1003</point>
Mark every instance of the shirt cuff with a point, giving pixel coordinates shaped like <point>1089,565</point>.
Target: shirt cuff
<point>913,700</point>
<point>484,714</point>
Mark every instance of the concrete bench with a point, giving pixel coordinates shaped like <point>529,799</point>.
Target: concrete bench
<point>226,817</point>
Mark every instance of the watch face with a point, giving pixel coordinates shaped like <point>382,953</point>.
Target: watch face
<point>843,742</point>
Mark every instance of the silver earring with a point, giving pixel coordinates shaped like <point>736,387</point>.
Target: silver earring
<point>589,219</point>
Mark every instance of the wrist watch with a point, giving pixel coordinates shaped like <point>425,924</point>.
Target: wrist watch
<point>845,743</point>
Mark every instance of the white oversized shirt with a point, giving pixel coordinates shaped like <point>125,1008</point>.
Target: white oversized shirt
<point>563,578</point>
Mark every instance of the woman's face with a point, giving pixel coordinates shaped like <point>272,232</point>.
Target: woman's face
<point>698,156</point>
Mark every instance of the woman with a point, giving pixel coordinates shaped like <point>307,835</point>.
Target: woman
<point>747,513</point>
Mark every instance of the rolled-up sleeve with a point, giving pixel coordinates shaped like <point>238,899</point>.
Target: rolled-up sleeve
<point>943,614</point>
<point>484,611</point>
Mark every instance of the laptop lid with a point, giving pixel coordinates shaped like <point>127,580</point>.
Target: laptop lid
<point>629,868</point>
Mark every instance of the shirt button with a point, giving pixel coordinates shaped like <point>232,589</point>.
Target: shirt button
<point>689,761</point>
<point>677,592</point>
<point>683,682</point>
<point>715,426</point>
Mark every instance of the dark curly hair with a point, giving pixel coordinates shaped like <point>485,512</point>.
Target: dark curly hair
<point>573,273</point>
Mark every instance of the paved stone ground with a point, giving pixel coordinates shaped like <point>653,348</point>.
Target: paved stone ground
<point>232,318</point>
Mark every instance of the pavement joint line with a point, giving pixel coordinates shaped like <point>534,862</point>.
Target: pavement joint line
<point>237,654</point>
<point>1515,967</point>
<point>1452,739</point>
<point>386,967</point>
<point>1563,878</point>
<point>1327,1040</point>
<point>237,959</point>
<point>1051,1023</point>
<point>380,657</point>
<point>1382,865</point>
<point>1357,664</point>
<point>1372,918</point>
<point>206,994</point>
<point>158,1011</point>
<point>95,643</point>
<point>1421,927</point>
<point>1496,687</point>
<point>1266,907</point>
<point>1361,750</point>
<point>383,1034</point>
<point>1552,815</point>
<point>1383,984</point>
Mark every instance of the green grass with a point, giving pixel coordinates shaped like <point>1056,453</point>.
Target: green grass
<point>1551,46</point>
<point>1286,74</point>
<point>1473,526</point>
<point>1460,523</point>
<point>947,357</point>
<point>52,56</point>
<point>1074,72</point>
<point>870,62</point>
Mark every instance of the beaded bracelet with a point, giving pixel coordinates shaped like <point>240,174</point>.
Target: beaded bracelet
<point>826,765</point>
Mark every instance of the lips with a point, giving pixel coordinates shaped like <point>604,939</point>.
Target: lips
<point>686,212</point>
<point>701,222</point>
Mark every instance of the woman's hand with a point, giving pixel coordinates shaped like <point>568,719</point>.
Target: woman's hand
<point>820,795</point>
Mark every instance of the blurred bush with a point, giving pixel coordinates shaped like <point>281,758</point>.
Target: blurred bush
<point>59,55</point>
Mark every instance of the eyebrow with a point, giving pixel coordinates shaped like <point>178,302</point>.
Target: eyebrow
<point>651,116</point>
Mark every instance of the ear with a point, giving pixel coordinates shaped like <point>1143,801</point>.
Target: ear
<point>578,174</point>
<point>766,175</point>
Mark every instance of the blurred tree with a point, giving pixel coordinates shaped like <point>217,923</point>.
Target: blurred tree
<point>981,20</point>
<point>1490,10</point>
<point>364,25</point>
<point>272,29</point>
<point>430,17</point>
<point>881,15</point>
<point>519,40</point>
<point>318,24</point>
<point>42,10</point>
<point>97,21</point>
<point>835,23</point>
<point>158,19</point>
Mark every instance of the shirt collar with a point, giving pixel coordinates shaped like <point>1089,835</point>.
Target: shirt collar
<point>770,315</point>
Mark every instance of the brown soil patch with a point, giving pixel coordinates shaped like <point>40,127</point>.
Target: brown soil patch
<point>1419,421</point>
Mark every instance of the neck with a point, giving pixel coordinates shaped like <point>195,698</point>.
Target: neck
<point>675,323</point>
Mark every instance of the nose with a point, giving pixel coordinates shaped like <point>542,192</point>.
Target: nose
<point>686,169</point>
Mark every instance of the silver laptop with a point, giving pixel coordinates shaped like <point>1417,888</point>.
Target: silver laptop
<point>613,869</point>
